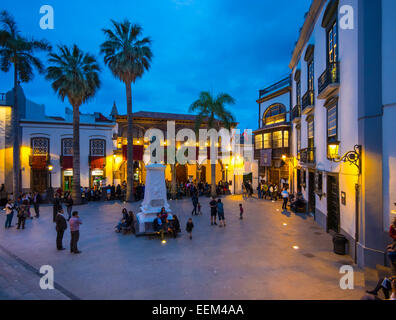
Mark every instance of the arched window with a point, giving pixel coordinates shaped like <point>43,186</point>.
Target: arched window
<point>275,113</point>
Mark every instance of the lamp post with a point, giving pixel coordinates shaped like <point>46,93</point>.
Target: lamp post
<point>50,168</point>
<point>226,177</point>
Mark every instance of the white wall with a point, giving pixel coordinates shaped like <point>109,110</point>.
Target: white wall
<point>56,132</point>
<point>389,103</point>
<point>347,115</point>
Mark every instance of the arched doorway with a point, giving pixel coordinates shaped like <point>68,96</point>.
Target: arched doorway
<point>203,174</point>
<point>181,173</point>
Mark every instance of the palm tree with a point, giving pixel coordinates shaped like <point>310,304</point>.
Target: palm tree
<point>75,76</point>
<point>128,56</point>
<point>18,51</point>
<point>213,111</point>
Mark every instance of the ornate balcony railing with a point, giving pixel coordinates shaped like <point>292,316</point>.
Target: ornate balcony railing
<point>308,101</point>
<point>329,81</point>
<point>283,83</point>
<point>307,155</point>
<point>296,113</point>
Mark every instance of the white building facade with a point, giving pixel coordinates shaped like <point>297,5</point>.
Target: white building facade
<point>46,147</point>
<point>343,70</point>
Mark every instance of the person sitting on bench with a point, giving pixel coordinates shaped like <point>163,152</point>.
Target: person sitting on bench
<point>174,226</point>
<point>123,221</point>
<point>299,203</point>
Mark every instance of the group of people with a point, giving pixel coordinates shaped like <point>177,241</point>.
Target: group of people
<point>202,189</point>
<point>166,223</point>
<point>22,208</point>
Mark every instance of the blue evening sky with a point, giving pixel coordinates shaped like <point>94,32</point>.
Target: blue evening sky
<point>231,46</point>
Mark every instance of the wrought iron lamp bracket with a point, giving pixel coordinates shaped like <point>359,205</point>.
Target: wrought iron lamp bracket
<point>353,157</point>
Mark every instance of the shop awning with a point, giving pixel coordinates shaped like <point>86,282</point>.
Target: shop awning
<point>67,162</point>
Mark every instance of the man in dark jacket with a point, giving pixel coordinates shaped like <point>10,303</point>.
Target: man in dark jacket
<point>61,226</point>
<point>56,206</point>
<point>195,203</point>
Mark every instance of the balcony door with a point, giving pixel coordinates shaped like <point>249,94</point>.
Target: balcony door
<point>333,204</point>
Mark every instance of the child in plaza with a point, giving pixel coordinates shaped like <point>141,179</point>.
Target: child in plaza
<point>240,211</point>
<point>199,208</point>
<point>190,227</point>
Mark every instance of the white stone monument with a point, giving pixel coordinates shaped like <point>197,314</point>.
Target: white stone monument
<point>155,196</point>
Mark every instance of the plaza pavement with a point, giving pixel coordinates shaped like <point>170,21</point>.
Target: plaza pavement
<point>251,258</point>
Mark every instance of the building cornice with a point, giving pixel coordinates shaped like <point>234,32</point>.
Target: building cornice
<point>306,31</point>
<point>65,124</point>
<point>274,94</point>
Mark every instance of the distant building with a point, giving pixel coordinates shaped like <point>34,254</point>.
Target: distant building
<point>47,140</point>
<point>272,138</point>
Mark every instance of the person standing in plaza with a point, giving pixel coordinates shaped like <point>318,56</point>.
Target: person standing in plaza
<point>259,194</point>
<point>392,230</point>
<point>285,197</point>
<point>74,222</point>
<point>190,227</point>
<point>194,200</point>
<point>69,206</point>
<point>61,226</point>
<point>9,209</point>
<point>36,204</point>
<point>55,206</point>
<point>213,211</point>
<point>22,214</point>
<point>240,211</point>
<point>271,191</point>
<point>265,190</point>
<point>220,212</point>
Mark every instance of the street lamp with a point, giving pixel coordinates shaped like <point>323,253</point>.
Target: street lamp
<point>226,167</point>
<point>353,157</point>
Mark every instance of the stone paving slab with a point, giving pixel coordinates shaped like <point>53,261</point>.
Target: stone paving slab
<point>249,259</point>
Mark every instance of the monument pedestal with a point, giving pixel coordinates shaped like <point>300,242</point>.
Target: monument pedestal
<point>154,196</point>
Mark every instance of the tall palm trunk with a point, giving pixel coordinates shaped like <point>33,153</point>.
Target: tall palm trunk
<point>76,191</point>
<point>173,183</point>
<point>129,195</point>
<point>213,179</point>
<point>15,138</point>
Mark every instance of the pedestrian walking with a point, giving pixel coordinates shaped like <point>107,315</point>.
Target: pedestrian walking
<point>259,194</point>
<point>199,208</point>
<point>69,206</point>
<point>220,212</point>
<point>9,209</point>
<point>36,204</point>
<point>240,211</point>
<point>285,196</point>
<point>194,200</point>
<point>271,192</point>
<point>190,227</point>
<point>213,211</point>
<point>74,223</point>
<point>60,228</point>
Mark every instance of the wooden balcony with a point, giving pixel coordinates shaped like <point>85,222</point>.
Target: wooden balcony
<point>308,102</point>
<point>295,116</point>
<point>329,81</point>
<point>307,155</point>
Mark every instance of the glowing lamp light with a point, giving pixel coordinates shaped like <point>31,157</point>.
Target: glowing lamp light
<point>50,167</point>
<point>332,149</point>
<point>296,247</point>
<point>285,224</point>
<point>163,241</point>
<point>284,157</point>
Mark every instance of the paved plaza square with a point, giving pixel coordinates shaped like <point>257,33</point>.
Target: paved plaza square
<point>251,258</point>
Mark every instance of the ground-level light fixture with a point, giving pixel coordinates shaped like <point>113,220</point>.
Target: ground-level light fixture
<point>163,241</point>
<point>296,247</point>
<point>353,157</point>
<point>285,224</point>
